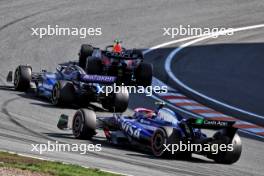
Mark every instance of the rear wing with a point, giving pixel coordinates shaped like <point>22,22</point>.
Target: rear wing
<point>225,127</point>
<point>209,124</point>
<point>121,56</point>
<point>98,79</point>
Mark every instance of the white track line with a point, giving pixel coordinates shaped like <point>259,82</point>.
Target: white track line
<point>170,57</point>
<point>174,78</point>
<point>172,42</point>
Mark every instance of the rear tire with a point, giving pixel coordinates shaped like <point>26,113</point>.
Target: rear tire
<point>62,93</point>
<point>86,50</point>
<point>22,77</point>
<point>138,53</point>
<point>94,66</point>
<point>144,73</point>
<point>158,140</point>
<point>84,124</point>
<point>228,157</point>
<point>173,138</point>
<point>117,102</point>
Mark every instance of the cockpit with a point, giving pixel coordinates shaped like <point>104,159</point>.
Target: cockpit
<point>68,69</point>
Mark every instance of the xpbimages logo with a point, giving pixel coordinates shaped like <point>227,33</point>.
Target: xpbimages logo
<point>148,90</point>
<point>195,31</point>
<point>190,147</point>
<point>59,147</point>
<point>81,32</point>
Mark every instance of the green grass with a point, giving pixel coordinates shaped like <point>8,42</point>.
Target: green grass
<point>47,167</point>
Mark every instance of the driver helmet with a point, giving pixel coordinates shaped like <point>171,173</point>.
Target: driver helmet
<point>117,48</point>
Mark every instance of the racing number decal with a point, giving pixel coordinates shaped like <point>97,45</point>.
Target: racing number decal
<point>131,130</point>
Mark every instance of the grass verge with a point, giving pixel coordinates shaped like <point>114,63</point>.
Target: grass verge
<point>8,160</point>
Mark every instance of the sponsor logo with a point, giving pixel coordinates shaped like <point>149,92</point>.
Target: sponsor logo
<point>215,123</point>
<point>97,78</point>
<point>211,122</point>
<point>131,130</point>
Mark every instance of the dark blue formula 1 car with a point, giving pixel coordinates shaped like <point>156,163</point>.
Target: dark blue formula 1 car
<point>126,64</point>
<point>161,131</point>
<point>69,85</point>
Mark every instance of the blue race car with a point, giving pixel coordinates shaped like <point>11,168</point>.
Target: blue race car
<point>69,85</point>
<point>160,131</point>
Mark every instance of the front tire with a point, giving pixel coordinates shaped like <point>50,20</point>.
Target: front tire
<point>84,124</point>
<point>22,77</point>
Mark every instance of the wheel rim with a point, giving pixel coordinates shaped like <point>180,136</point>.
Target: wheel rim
<point>55,94</point>
<point>77,125</point>
<point>158,144</point>
<point>16,79</point>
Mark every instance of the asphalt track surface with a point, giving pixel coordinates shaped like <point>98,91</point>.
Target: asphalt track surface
<point>26,120</point>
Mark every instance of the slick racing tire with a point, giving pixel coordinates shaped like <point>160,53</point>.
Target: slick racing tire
<point>84,124</point>
<point>228,157</point>
<point>173,138</point>
<point>22,77</point>
<point>167,136</point>
<point>117,102</point>
<point>138,53</point>
<point>94,66</point>
<point>86,50</point>
<point>143,74</point>
<point>158,140</point>
<point>62,93</point>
